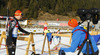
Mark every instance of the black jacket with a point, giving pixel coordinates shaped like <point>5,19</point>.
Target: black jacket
<point>11,27</point>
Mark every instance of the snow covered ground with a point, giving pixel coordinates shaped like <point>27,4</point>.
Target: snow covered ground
<point>38,45</point>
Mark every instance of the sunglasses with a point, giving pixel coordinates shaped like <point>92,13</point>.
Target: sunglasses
<point>19,14</point>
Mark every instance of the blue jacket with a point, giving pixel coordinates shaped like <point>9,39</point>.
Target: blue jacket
<point>77,39</point>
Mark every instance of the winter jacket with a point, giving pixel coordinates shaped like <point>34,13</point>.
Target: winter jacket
<point>77,39</point>
<point>12,28</point>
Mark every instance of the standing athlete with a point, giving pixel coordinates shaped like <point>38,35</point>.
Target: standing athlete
<point>12,31</point>
<point>45,25</point>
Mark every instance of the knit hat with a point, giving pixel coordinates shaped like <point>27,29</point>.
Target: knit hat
<point>73,23</point>
<point>18,13</point>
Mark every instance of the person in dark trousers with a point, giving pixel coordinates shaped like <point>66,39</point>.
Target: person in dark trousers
<point>12,31</point>
<point>79,35</point>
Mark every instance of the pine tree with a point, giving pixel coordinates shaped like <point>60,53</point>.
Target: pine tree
<point>33,8</point>
<point>59,7</point>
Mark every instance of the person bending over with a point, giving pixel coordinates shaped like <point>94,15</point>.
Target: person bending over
<point>79,35</point>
